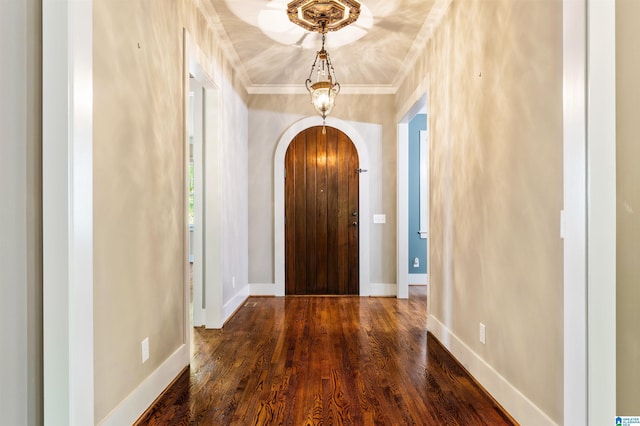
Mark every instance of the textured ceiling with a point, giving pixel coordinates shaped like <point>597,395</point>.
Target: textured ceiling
<point>274,54</point>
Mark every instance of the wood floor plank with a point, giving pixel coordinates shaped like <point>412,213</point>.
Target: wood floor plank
<point>324,361</point>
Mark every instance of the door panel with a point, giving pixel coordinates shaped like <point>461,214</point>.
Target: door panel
<point>321,214</point>
<point>354,214</point>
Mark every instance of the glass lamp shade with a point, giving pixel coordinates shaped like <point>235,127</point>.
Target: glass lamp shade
<point>323,95</point>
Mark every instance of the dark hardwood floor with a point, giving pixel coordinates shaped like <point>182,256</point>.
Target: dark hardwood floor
<point>324,361</point>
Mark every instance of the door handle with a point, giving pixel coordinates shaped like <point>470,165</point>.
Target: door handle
<point>355,224</point>
<point>354,214</point>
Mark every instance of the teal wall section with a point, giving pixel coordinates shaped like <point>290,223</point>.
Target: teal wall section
<point>417,245</point>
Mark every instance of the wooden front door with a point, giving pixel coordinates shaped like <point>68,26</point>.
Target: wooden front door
<point>321,214</point>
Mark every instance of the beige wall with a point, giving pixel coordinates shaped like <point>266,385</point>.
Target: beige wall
<point>269,117</point>
<point>495,104</point>
<point>139,208</point>
<point>21,212</point>
<point>138,219</point>
<point>628,206</point>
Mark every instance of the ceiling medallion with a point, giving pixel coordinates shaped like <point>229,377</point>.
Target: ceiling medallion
<point>322,16</point>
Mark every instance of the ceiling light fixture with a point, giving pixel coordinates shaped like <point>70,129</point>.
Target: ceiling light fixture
<point>322,16</point>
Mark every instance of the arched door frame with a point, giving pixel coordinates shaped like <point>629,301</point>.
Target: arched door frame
<point>278,209</point>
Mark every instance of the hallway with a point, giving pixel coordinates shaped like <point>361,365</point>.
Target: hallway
<point>324,360</point>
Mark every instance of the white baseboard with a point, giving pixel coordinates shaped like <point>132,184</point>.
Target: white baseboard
<point>234,304</point>
<point>519,407</point>
<point>137,402</point>
<point>262,289</point>
<point>418,279</point>
<point>382,290</point>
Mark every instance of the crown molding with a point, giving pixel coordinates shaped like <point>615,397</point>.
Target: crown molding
<point>210,15</point>
<point>300,89</point>
<point>433,20</point>
<point>438,10</point>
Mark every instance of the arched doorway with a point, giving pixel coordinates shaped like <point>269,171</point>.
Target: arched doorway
<point>321,213</point>
<point>355,132</point>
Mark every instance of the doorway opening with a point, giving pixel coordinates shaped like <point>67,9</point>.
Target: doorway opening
<point>203,287</point>
<point>322,171</point>
<point>413,198</point>
<point>195,215</point>
<point>354,132</point>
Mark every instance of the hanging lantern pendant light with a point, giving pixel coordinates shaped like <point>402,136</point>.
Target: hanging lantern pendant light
<point>322,16</point>
<point>326,87</point>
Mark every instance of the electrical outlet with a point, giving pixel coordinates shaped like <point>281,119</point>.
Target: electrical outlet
<point>416,262</point>
<point>145,350</point>
<point>483,334</point>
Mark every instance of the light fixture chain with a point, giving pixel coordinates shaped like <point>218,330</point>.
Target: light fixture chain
<point>323,16</point>
<point>332,70</point>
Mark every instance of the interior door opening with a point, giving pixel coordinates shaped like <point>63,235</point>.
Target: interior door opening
<point>322,215</point>
<point>202,201</point>
<point>413,198</point>
<point>195,202</point>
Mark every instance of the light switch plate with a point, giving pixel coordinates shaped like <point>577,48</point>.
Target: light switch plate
<point>379,218</point>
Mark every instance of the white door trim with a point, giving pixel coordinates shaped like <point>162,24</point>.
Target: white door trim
<point>207,73</point>
<point>402,196</point>
<point>589,222</point>
<point>574,214</point>
<point>67,163</point>
<point>278,208</point>
<point>601,211</point>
